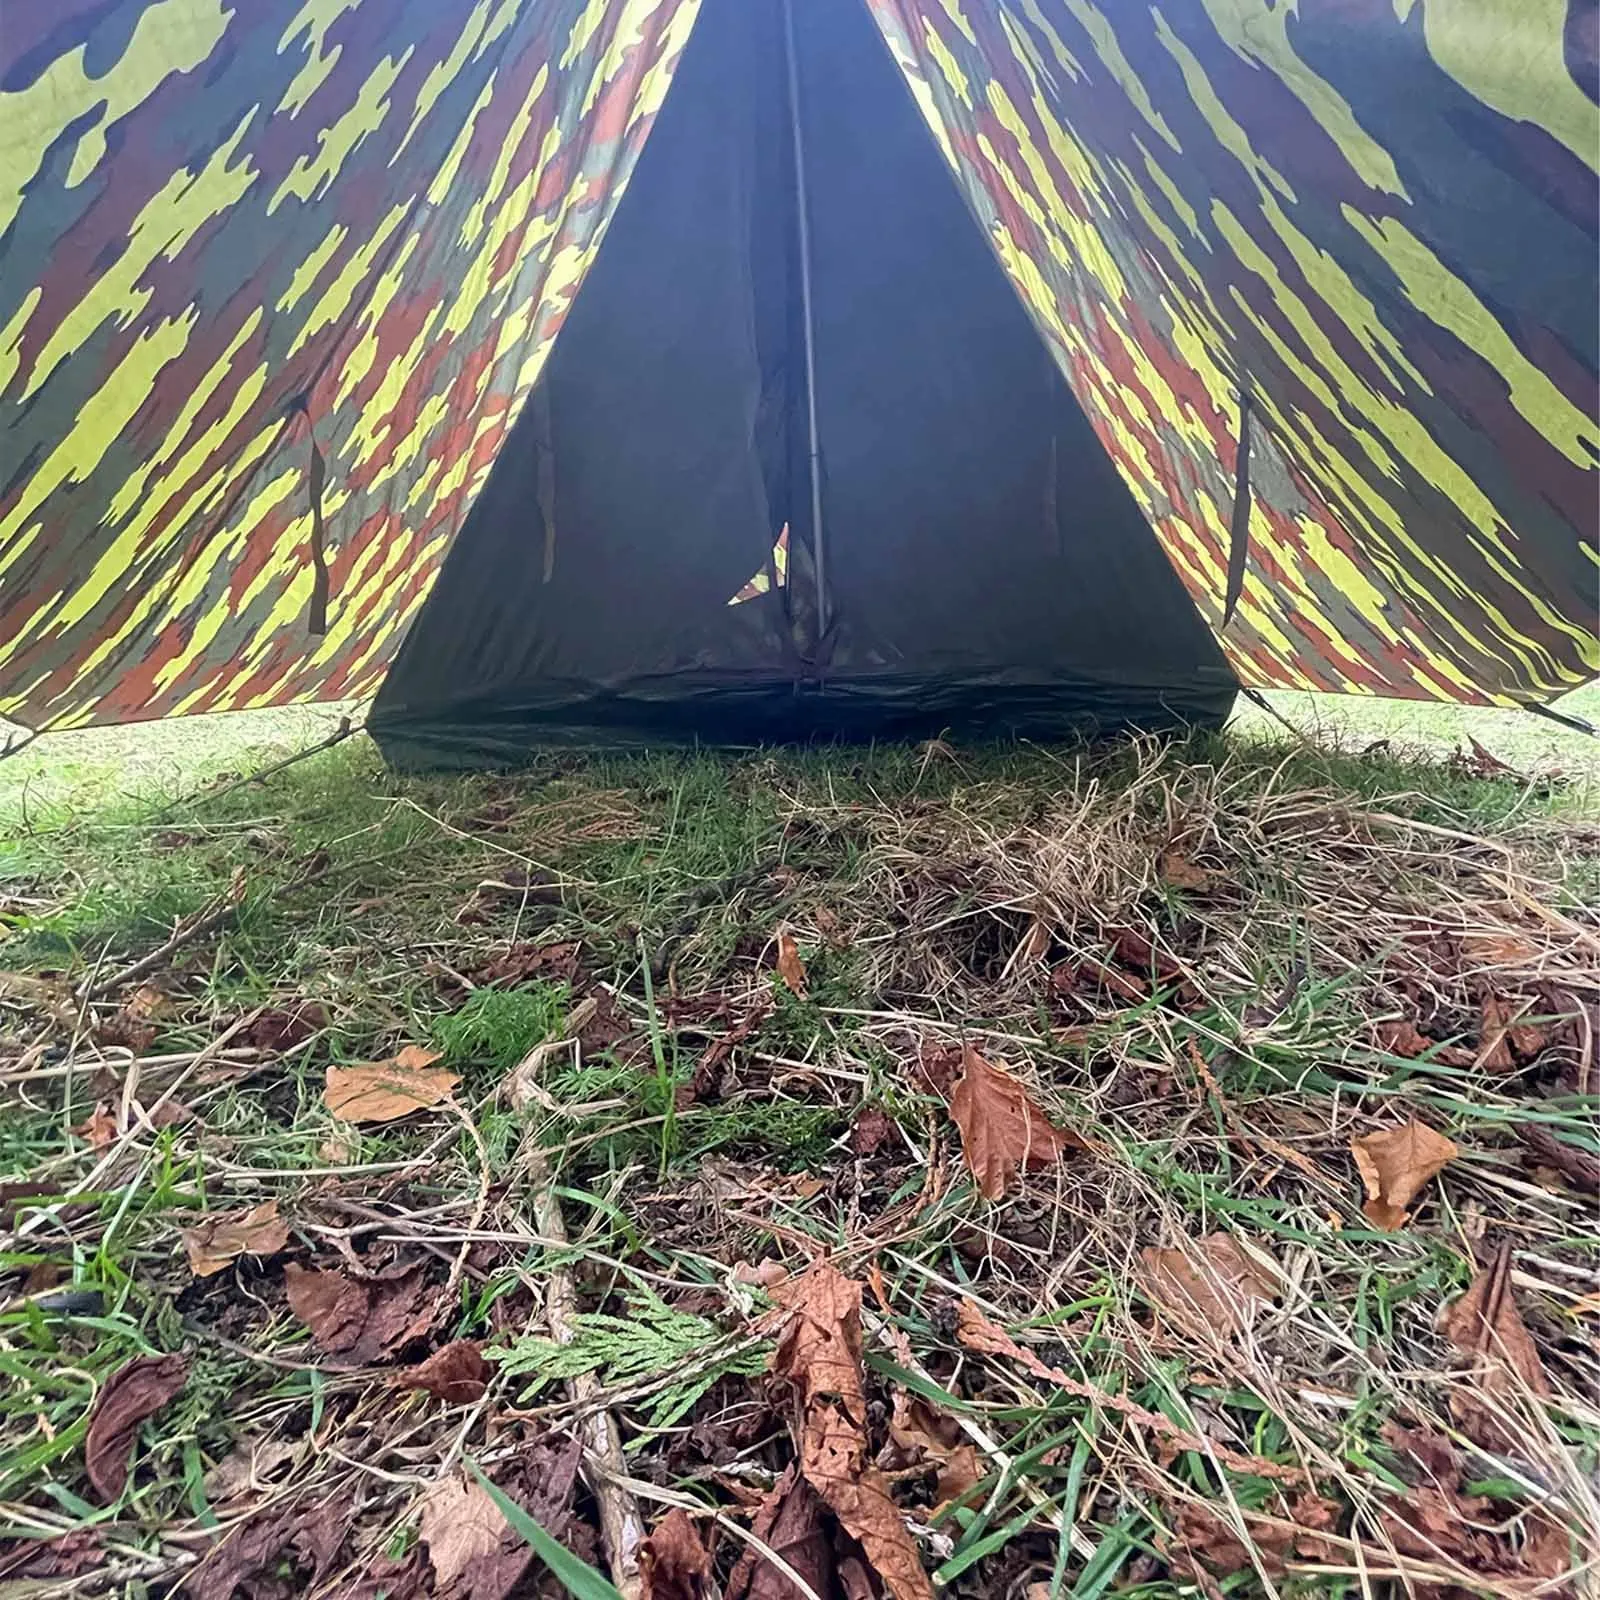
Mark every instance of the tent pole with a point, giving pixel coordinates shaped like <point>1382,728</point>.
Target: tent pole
<point>819,561</point>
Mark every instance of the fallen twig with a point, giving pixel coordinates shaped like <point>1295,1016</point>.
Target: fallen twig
<point>345,729</point>
<point>204,921</point>
<point>621,1525</point>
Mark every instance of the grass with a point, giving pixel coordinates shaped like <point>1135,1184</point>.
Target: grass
<point>1200,959</point>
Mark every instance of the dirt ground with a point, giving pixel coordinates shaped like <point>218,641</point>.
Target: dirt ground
<point>1146,1169</point>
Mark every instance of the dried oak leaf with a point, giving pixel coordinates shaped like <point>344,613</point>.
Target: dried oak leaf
<point>1214,1288</point>
<point>790,1523</point>
<point>790,967</point>
<point>382,1091</point>
<point>137,1391</point>
<point>819,1350</point>
<point>363,1321</point>
<point>1486,1326</point>
<point>221,1239</point>
<point>1395,1164</point>
<point>673,1562</point>
<point>1002,1129</point>
<point>455,1373</point>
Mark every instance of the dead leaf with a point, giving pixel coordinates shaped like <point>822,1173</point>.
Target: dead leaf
<point>69,1555</point>
<point>871,1129</point>
<point>1002,1129</point>
<point>461,1526</point>
<point>1579,1167</point>
<point>281,1028</point>
<point>1180,872</point>
<point>1213,1288</point>
<point>1494,1049</point>
<point>832,1451</point>
<point>362,1321</point>
<point>1503,949</point>
<point>673,1562</point>
<point>819,1350</point>
<point>455,1373</point>
<point>790,967</point>
<point>918,1434</point>
<point>222,1239</point>
<point>1485,1325</point>
<point>1395,1164</point>
<point>137,1391</point>
<point>474,1552</point>
<point>99,1127</point>
<point>790,1522</point>
<point>382,1091</point>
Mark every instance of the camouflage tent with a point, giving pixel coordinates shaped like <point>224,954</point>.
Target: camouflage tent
<point>1252,341</point>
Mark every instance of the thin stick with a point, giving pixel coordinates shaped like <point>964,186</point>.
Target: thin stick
<point>207,921</point>
<point>345,729</point>
<point>621,1525</point>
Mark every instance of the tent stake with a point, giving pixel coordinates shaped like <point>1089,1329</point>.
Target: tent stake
<point>819,563</point>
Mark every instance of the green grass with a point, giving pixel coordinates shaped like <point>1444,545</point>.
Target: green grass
<point>1344,887</point>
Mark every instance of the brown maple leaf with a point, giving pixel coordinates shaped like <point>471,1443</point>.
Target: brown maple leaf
<point>1003,1130</point>
<point>1395,1164</point>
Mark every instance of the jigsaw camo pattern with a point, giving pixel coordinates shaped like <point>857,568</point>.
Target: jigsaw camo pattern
<point>230,228</point>
<point>1381,215</point>
<point>276,277</point>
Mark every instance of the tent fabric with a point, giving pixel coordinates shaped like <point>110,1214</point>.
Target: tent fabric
<point>229,229</point>
<point>986,567</point>
<point>1381,215</point>
<point>277,277</point>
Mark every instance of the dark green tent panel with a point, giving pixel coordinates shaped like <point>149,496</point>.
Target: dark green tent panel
<point>984,565</point>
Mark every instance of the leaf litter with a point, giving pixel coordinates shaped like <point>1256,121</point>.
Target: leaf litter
<point>1130,1351</point>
